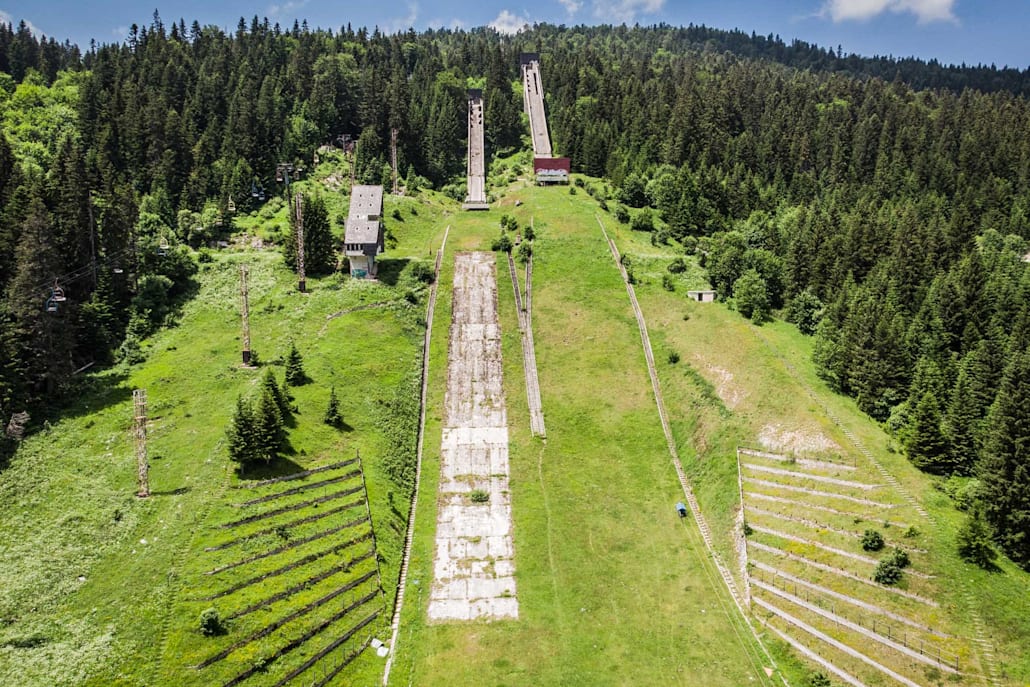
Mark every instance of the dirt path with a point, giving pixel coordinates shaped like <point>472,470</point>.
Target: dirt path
<point>474,564</point>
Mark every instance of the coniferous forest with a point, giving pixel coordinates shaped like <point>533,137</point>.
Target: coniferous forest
<point>881,205</point>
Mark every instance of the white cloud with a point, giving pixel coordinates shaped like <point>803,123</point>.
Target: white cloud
<point>925,10</point>
<point>443,24</point>
<point>571,6</point>
<point>6,18</point>
<point>285,9</point>
<point>403,23</point>
<point>507,22</point>
<point>625,11</point>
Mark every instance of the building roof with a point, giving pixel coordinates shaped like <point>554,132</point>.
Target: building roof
<point>365,201</point>
<point>362,231</point>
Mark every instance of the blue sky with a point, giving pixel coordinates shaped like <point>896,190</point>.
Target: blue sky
<point>953,31</point>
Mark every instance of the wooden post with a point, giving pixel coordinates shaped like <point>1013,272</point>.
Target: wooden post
<point>245,312</point>
<point>139,404</point>
<point>298,207</point>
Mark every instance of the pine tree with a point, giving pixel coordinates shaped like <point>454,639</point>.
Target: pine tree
<point>295,375</point>
<point>1005,464</point>
<point>332,411</point>
<point>242,434</point>
<point>268,427</point>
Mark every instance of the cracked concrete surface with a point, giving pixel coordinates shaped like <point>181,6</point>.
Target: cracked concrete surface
<point>474,565</point>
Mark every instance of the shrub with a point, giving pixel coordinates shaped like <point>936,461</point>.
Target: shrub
<point>674,357</point>
<point>572,190</point>
<point>211,623</point>
<point>622,214</point>
<point>887,572</point>
<point>677,266</point>
<point>416,273</point>
<point>524,252</point>
<point>396,214</point>
<point>529,234</point>
<point>872,541</point>
<point>478,496</point>
<point>819,680</point>
<point>643,221</point>
<point>503,243</point>
<point>899,558</point>
<point>667,283</point>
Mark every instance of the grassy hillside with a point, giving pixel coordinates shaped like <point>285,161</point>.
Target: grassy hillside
<point>96,585</point>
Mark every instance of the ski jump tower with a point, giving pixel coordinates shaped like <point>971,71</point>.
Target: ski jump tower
<point>548,169</point>
<point>476,164</point>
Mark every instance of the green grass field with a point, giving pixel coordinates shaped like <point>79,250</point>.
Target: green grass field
<point>613,588</point>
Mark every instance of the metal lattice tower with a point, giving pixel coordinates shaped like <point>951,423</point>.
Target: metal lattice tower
<point>139,404</point>
<point>245,312</point>
<point>299,208</point>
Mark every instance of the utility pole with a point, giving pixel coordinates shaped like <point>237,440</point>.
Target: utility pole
<point>245,311</point>
<point>139,404</point>
<point>92,236</point>
<point>298,207</point>
<point>393,158</point>
<point>353,162</point>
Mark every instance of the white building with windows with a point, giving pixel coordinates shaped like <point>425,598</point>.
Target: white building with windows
<point>363,238</point>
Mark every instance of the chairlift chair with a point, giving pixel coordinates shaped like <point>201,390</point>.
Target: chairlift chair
<point>314,158</point>
<point>51,306</point>
<point>231,206</point>
<point>162,246</point>
<point>57,294</point>
<point>279,173</point>
<point>254,192</point>
<point>117,270</point>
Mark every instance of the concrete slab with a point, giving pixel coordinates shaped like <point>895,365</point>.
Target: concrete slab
<point>474,562</point>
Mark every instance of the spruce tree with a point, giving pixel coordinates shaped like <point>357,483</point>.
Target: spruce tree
<point>295,375</point>
<point>242,434</point>
<point>332,411</point>
<point>926,446</point>
<point>268,427</point>
<point>319,245</point>
<point>271,387</point>
<point>1005,465</point>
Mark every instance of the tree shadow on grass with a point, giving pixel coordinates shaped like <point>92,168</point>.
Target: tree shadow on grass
<point>280,467</point>
<point>389,270</point>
